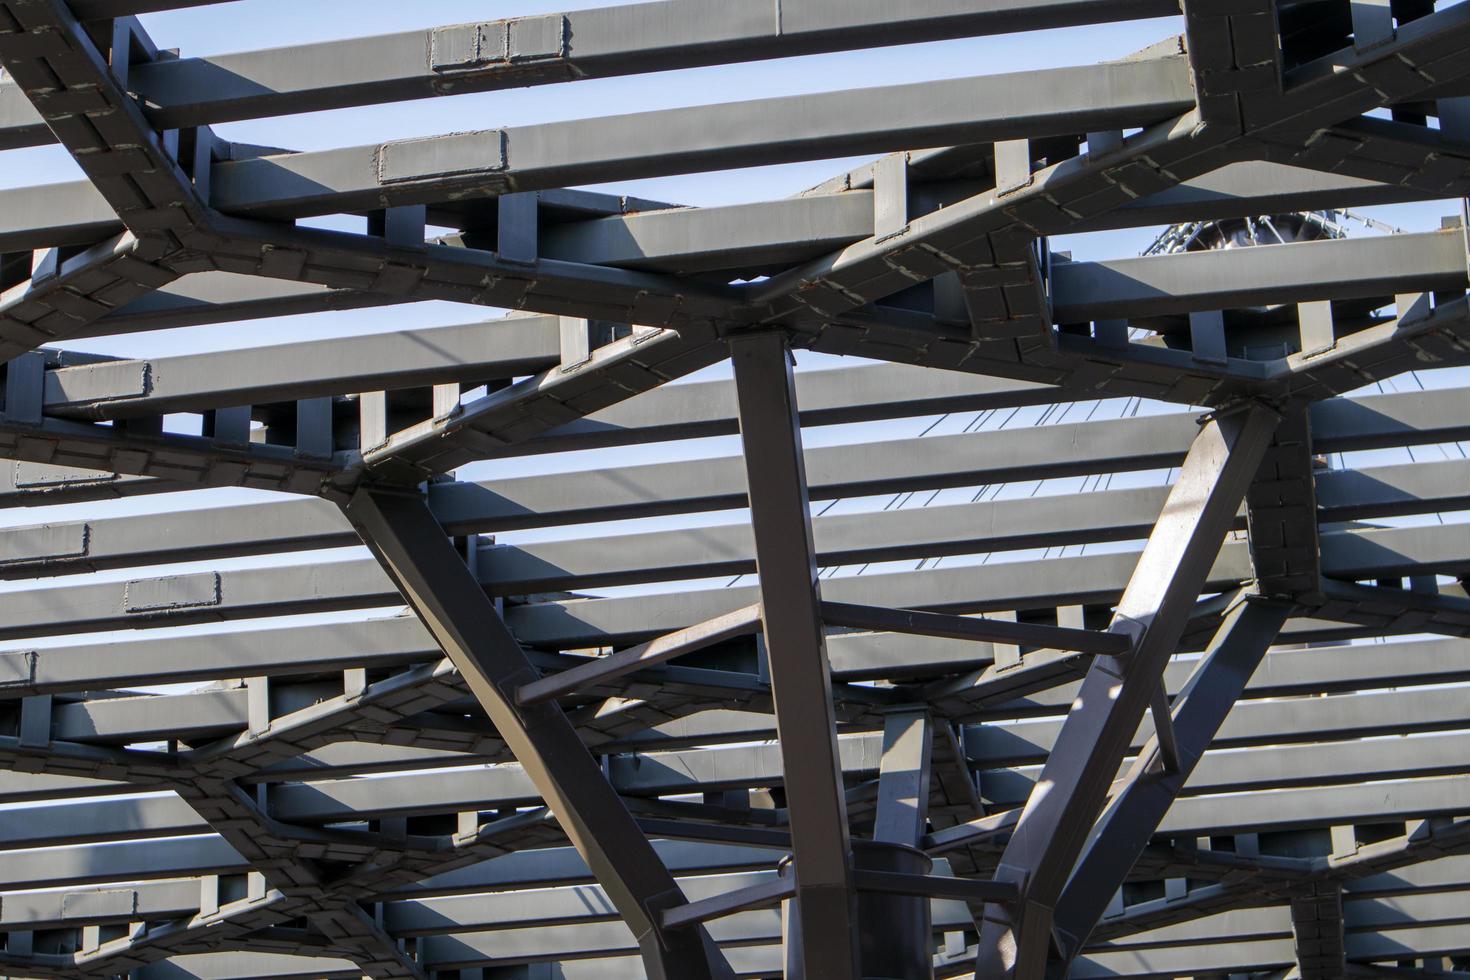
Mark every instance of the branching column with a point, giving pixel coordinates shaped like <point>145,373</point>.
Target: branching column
<point>1150,787</point>
<point>1153,612</point>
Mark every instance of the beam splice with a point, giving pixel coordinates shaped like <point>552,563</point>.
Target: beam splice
<point>741,622</point>
<point>1154,612</point>
<point>421,560</point>
<point>824,916</point>
<point>972,628</point>
<point>1148,790</point>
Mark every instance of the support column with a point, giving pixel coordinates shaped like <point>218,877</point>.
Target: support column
<point>1153,612</point>
<point>895,932</point>
<point>1149,789</point>
<point>824,910</point>
<point>417,554</point>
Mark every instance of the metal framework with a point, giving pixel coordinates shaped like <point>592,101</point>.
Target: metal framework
<point>1231,740</point>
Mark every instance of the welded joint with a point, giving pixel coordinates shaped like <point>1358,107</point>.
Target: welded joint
<point>43,544</point>
<point>428,158</point>
<point>173,592</point>
<point>515,41</point>
<point>1239,406</point>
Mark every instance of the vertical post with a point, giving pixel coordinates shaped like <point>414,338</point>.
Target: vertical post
<point>903,777</point>
<point>518,227</point>
<point>1207,337</point>
<point>896,931</point>
<point>25,388</point>
<point>1058,816</point>
<point>801,686</point>
<point>421,560</point>
<point>890,196</point>
<point>1372,22</point>
<point>1012,165</point>
<point>1318,333</point>
<point>314,427</point>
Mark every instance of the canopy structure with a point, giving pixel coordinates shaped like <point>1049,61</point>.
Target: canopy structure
<point>1209,723</point>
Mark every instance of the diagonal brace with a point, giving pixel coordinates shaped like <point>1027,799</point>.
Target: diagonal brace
<point>1154,611</point>
<point>418,555</point>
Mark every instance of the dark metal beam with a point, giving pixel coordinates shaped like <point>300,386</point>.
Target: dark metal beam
<point>1136,807</point>
<point>492,162</point>
<point>419,557</point>
<point>780,512</point>
<point>550,48</point>
<point>1117,689</point>
<point>972,628</point>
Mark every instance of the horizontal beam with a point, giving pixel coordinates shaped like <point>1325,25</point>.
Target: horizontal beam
<point>1348,268</point>
<point>240,593</point>
<point>741,622</point>
<point>594,43</point>
<point>723,136</point>
<point>470,353</point>
<point>972,628</point>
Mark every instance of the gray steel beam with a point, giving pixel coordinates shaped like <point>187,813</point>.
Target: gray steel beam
<point>971,628</point>
<point>470,353</point>
<point>1152,612</point>
<point>739,623</point>
<point>398,641</point>
<point>684,240</point>
<point>56,63</point>
<point>1316,760</point>
<point>432,576</point>
<point>767,131</point>
<point>822,939</point>
<point>1374,422</point>
<point>1148,790</point>
<point>569,624</point>
<point>542,49</point>
<point>1348,268</point>
<point>225,297</point>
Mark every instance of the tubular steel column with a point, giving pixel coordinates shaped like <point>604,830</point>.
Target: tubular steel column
<point>413,548</point>
<point>1149,789</point>
<point>801,685</point>
<point>1117,690</point>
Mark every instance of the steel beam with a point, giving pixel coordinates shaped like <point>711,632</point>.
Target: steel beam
<point>594,43</point>
<point>1135,808</point>
<point>1117,690</point>
<point>823,930</point>
<point>418,556</point>
<point>671,141</point>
